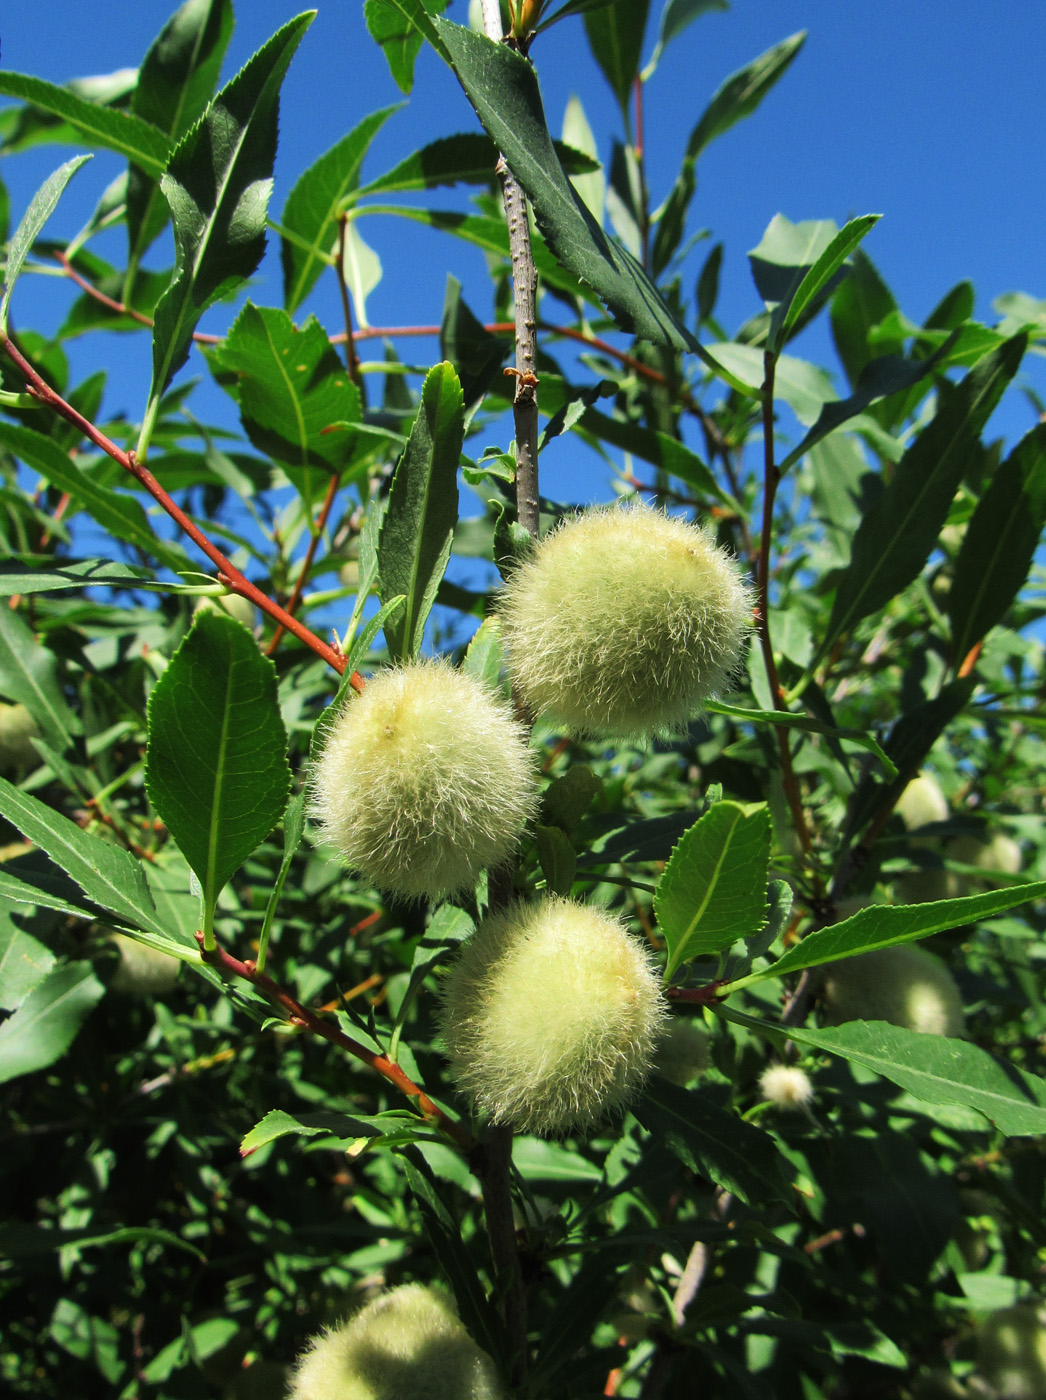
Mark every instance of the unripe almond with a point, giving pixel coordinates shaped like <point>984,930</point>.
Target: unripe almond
<point>904,985</point>
<point>142,971</point>
<point>550,1016</point>
<point>406,1344</point>
<point>682,1051</point>
<point>1011,1352</point>
<point>623,622</point>
<point>786,1086</point>
<point>922,802</point>
<point>18,729</point>
<point>234,604</point>
<point>999,853</point>
<point>424,780</point>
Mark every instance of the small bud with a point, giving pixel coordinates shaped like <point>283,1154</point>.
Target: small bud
<point>550,1016</point>
<point>904,985</point>
<point>786,1086</point>
<point>405,1345</point>
<point>623,622</point>
<point>425,780</point>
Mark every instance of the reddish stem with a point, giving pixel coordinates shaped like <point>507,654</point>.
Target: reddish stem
<point>301,1016</point>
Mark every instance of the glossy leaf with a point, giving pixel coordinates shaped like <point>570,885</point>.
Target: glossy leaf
<point>29,675</point>
<point>418,529</point>
<point>116,512</point>
<point>713,890</point>
<point>486,654</point>
<point>895,537</point>
<point>277,1124</point>
<point>807,723</point>
<point>95,123</point>
<point>38,573</point>
<point>216,764</point>
<point>556,858</point>
<point>309,223</point>
<point>40,210</point>
<point>742,93</point>
<point>861,304</point>
<point>24,962</point>
<point>217,185</point>
<point>291,386</point>
<point>175,82</point>
<point>999,545</point>
<point>467,158</point>
<point>816,280</point>
<point>46,1023</point>
<point>940,1070</point>
<point>360,268</point>
<point>712,1142</point>
<point>615,36</point>
<point>400,27</point>
<point>476,354</point>
<point>885,926</point>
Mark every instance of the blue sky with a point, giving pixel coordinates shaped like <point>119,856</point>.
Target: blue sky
<point>924,113</point>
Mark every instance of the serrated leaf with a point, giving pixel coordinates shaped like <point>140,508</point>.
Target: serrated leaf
<point>713,890</point>
<point>418,529</point>
<point>713,1142</point>
<point>29,676</point>
<point>217,184</point>
<point>277,1124</point>
<point>885,926</point>
<point>400,27</point>
<point>999,544</point>
<point>939,1070</point>
<point>46,1023</point>
<point>467,158</point>
<point>216,763</point>
<point>96,124</point>
<point>291,387</point>
<point>39,211</point>
<point>107,874</point>
<point>24,961</point>
<point>895,537</point>
<point>119,514</point>
<point>486,654</point>
<point>175,82</point>
<point>309,223</point>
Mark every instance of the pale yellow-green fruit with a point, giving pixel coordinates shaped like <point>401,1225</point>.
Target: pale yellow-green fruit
<point>349,574</point>
<point>1011,1352</point>
<point>18,729</point>
<point>922,802</point>
<point>1000,854</point>
<point>623,622</point>
<point>682,1051</point>
<point>234,604</point>
<point>905,985</point>
<point>787,1087</point>
<point>424,780</point>
<point>142,971</point>
<point>405,1345</point>
<point>550,1016</point>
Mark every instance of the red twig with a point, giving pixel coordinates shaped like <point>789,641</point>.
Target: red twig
<point>227,572</point>
<point>121,308</point>
<point>300,1015</point>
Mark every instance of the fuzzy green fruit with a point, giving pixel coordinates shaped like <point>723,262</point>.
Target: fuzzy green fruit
<point>405,1345</point>
<point>18,729</point>
<point>234,604</point>
<point>623,622</point>
<point>551,1015</point>
<point>682,1052</point>
<point>786,1086</point>
<point>922,802</point>
<point>1000,853</point>
<point>905,985</point>
<point>142,971</point>
<point>425,780</point>
<point>1011,1352</point>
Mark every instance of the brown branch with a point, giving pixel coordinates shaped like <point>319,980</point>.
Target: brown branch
<point>300,1015</point>
<point>227,572</point>
<point>121,308</point>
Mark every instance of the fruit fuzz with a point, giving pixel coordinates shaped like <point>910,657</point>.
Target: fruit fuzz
<point>623,622</point>
<point>551,1016</point>
<point>424,780</point>
<point>906,986</point>
<point>786,1086</point>
<point>406,1344</point>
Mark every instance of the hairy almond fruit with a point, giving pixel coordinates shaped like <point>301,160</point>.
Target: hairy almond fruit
<point>904,985</point>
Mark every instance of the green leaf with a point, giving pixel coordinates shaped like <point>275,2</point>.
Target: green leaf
<point>476,354</point>
<point>291,387</point>
<point>45,889</point>
<point>19,1240</point>
<point>713,890</point>
<point>29,676</point>
<point>467,158</point>
<point>861,304</point>
<point>96,124</point>
<point>400,27</point>
<point>939,1070</point>
<point>38,213</point>
<point>895,537</point>
<point>486,654</point>
<point>808,724</point>
<point>677,16</point>
<point>815,280</point>
<point>885,926</point>
<point>38,573</point>
<point>360,269</point>
<point>46,1023</point>
<point>216,764</point>
<point>615,36</point>
<point>742,93</point>
<point>556,858</point>
<point>713,1142</point>
<point>24,961</point>
<point>1000,543</point>
<point>114,511</point>
<point>108,875</point>
<point>175,82</point>
<point>571,10</point>
<point>217,185</point>
<point>277,1124</point>
<point>309,223</point>
<point>418,529</point>
<point>566,800</point>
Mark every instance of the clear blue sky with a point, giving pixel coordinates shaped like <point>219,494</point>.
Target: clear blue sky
<point>925,112</point>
